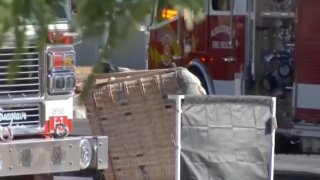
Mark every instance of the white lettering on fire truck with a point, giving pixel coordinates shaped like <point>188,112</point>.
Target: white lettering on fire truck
<point>12,116</point>
<point>58,111</point>
<point>59,108</point>
<point>221,45</point>
<point>221,29</point>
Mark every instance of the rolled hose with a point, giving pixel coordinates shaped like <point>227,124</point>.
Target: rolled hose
<point>284,73</point>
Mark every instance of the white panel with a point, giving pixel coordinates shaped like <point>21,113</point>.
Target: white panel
<point>308,96</point>
<point>59,108</point>
<point>240,7</point>
<point>224,87</point>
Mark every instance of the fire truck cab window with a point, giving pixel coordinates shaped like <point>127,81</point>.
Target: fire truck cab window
<point>221,5</point>
<point>60,10</point>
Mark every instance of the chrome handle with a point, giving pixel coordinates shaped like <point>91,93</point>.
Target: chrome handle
<point>229,59</point>
<point>176,58</point>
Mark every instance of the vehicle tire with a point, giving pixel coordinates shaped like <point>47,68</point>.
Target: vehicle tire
<point>199,75</point>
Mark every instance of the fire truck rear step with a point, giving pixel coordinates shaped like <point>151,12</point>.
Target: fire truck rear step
<point>41,156</point>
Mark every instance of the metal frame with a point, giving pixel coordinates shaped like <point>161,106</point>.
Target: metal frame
<point>272,140</point>
<point>250,36</point>
<point>301,131</point>
<point>305,130</point>
<point>178,102</point>
<point>51,54</point>
<point>41,156</point>
<point>178,109</point>
<point>65,90</point>
<point>45,84</point>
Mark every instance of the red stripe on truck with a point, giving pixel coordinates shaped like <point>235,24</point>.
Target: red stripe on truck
<point>307,64</point>
<point>308,115</point>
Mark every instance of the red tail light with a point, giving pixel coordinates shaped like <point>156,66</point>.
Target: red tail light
<point>58,60</point>
<point>61,61</point>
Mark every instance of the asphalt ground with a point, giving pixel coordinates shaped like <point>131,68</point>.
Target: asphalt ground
<point>295,176</point>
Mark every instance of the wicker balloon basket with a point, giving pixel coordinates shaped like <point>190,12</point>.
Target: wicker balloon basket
<point>133,110</point>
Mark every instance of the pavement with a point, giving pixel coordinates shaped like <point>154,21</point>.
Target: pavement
<point>308,164</point>
<point>297,167</point>
<point>295,176</point>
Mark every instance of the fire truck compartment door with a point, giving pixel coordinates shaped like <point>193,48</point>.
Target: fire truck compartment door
<point>306,62</point>
<point>226,46</point>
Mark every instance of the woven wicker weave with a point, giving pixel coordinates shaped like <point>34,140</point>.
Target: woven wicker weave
<point>132,109</point>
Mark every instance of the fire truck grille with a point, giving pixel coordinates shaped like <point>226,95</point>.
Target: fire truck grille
<point>20,115</point>
<point>25,81</point>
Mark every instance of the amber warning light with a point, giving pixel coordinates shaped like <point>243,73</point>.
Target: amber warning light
<point>169,13</point>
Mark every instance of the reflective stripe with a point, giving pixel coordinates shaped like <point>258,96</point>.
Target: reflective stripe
<point>308,96</point>
<point>224,87</point>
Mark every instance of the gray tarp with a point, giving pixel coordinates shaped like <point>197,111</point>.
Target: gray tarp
<point>227,138</point>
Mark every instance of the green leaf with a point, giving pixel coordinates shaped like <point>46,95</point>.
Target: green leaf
<point>116,19</point>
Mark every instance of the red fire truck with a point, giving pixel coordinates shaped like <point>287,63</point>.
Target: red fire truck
<point>249,47</point>
<point>37,109</point>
